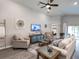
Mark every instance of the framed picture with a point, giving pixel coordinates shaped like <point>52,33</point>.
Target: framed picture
<point>45,26</point>
<point>54,28</point>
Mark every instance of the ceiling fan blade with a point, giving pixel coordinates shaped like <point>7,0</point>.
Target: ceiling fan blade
<point>48,1</point>
<point>42,3</point>
<point>51,1</point>
<point>43,6</point>
<point>54,5</point>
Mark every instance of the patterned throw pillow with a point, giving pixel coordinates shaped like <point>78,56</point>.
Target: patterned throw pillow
<point>56,42</point>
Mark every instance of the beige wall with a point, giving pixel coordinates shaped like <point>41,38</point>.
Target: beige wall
<point>71,19</point>
<point>11,12</point>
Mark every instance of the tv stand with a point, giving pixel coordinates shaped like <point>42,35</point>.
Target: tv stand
<point>34,38</point>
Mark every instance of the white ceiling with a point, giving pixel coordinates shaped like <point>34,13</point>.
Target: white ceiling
<point>65,6</point>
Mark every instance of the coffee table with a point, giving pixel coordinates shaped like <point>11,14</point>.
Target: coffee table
<point>43,43</point>
<point>43,52</point>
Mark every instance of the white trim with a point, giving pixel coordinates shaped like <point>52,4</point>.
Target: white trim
<point>2,48</point>
<point>5,47</point>
<point>8,46</point>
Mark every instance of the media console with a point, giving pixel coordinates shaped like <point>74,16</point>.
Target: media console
<point>36,38</point>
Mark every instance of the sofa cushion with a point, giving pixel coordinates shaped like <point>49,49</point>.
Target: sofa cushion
<point>62,45</point>
<point>65,42</point>
<point>21,38</point>
<point>16,37</point>
<point>24,38</point>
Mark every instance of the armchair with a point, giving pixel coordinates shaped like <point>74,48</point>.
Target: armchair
<point>20,42</point>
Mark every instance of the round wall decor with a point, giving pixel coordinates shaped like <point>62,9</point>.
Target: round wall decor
<point>20,23</point>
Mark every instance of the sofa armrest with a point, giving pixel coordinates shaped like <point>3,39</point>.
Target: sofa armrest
<point>28,42</point>
<point>63,52</point>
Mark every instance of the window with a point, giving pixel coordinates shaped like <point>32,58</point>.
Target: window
<point>74,30</point>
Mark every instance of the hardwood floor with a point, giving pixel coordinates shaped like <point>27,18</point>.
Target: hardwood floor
<point>76,54</point>
<point>77,49</point>
<point>8,53</point>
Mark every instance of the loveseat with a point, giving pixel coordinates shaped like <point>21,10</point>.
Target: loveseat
<point>20,42</point>
<point>66,47</point>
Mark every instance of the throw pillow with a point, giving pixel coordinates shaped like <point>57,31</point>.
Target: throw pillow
<point>56,42</point>
<point>15,37</point>
<point>21,38</point>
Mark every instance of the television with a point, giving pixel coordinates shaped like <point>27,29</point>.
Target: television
<point>36,27</point>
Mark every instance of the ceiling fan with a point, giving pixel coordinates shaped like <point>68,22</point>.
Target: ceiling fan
<point>49,4</point>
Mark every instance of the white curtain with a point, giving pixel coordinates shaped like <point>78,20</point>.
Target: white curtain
<point>2,31</point>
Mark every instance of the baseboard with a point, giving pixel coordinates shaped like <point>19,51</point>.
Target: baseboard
<point>5,47</point>
<point>8,46</point>
<point>2,48</point>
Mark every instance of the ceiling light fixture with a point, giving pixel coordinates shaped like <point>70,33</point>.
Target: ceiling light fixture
<point>47,6</point>
<point>75,3</point>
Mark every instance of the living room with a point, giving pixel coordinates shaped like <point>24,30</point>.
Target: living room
<point>14,10</point>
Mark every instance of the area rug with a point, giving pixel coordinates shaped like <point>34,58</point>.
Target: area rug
<point>33,48</point>
<point>19,55</point>
<point>31,53</point>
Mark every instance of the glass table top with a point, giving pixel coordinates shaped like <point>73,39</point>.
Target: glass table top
<point>44,50</point>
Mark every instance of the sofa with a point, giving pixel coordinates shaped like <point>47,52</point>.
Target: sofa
<point>66,47</point>
<point>20,42</point>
